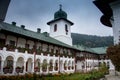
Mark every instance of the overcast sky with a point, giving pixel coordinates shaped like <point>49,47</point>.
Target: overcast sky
<point>36,13</point>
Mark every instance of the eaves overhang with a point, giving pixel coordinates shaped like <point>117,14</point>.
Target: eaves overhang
<point>104,7</point>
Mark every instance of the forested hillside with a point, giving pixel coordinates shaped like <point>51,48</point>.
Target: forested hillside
<point>91,41</point>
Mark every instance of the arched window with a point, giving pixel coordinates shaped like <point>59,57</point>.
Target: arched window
<point>55,27</point>
<point>66,29</point>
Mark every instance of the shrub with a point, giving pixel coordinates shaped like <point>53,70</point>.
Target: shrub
<point>113,53</point>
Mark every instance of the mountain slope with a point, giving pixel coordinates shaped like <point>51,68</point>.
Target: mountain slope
<point>91,40</point>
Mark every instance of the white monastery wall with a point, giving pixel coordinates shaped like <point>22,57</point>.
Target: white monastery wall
<point>60,34</point>
<point>116,24</point>
<point>21,42</point>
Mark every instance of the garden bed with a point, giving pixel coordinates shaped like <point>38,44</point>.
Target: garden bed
<point>94,75</point>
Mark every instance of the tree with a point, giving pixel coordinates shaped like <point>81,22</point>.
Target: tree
<point>113,53</point>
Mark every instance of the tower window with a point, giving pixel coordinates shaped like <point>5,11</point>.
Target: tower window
<point>55,28</point>
<point>66,29</point>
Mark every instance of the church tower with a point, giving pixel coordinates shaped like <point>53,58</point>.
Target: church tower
<point>60,27</point>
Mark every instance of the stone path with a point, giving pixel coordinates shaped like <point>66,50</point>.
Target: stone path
<point>112,77</point>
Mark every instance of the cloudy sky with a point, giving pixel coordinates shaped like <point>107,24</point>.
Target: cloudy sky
<point>36,13</point>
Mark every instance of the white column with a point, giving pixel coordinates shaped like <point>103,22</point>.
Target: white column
<point>40,67</point>
<point>47,68</point>
<point>24,70</point>
<point>32,67</point>
<point>58,67</point>
<point>62,67</point>
<point>53,67</point>
<point>67,66</point>
<point>2,65</point>
<point>14,66</point>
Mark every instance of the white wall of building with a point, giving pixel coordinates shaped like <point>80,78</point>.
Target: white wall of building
<point>60,34</point>
<point>79,65</point>
<point>21,42</point>
<point>12,38</point>
<point>116,24</point>
<point>20,59</point>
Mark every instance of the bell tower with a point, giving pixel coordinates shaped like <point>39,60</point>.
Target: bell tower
<point>60,27</point>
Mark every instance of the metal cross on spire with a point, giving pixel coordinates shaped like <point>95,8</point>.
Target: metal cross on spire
<point>60,6</point>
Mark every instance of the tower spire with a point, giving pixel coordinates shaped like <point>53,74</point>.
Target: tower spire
<point>60,6</point>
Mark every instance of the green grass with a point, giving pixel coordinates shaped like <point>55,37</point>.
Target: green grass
<point>93,75</point>
<point>75,76</point>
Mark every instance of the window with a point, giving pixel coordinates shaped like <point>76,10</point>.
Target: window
<point>10,63</point>
<point>55,28</point>
<point>27,46</point>
<point>2,42</point>
<point>66,29</point>
<point>12,43</point>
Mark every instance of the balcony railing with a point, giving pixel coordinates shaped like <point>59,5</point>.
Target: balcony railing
<point>31,51</point>
<point>6,70</point>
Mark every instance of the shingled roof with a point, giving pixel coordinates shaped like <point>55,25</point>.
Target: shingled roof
<point>97,50</point>
<point>39,36</point>
<point>42,37</point>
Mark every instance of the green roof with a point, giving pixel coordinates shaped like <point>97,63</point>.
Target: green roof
<point>46,38</point>
<point>97,50</point>
<point>100,50</point>
<point>31,34</point>
<point>52,21</point>
<point>60,14</point>
<point>84,48</point>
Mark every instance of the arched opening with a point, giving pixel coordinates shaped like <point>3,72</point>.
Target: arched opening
<point>8,65</point>
<point>29,65</point>
<point>83,65</point>
<point>37,65</point>
<point>51,65</point>
<point>20,65</point>
<point>69,65</point>
<point>65,65</point>
<point>73,64</point>
<point>56,65</point>
<point>108,65</point>
<point>104,64</point>
<point>44,65</point>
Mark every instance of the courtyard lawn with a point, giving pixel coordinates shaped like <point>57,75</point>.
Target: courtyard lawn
<point>76,76</point>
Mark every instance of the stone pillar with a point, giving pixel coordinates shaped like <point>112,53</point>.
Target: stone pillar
<point>67,66</point>
<point>24,70</point>
<point>53,67</point>
<point>58,67</point>
<point>70,67</point>
<point>2,65</point>
<point>32,67</point>
<point>47,68</point>
<point>14,66</point>
<point>41,68</point>
<point>62,67</point>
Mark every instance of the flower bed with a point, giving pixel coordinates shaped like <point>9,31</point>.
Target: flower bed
<point>93,75</point>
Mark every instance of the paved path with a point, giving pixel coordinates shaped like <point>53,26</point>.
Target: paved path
<point>112,77</point>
